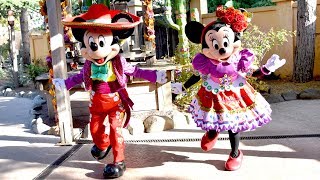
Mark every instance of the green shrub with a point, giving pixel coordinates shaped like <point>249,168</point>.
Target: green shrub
<point>36,69</point>
<point>261,42</point>
<point>258,84</point>
<point>212,4</point>
<point>182,76</point>
<point>3,74</point>
<point>193,50</point>
<point>4,51</point>
<point>186,71</point>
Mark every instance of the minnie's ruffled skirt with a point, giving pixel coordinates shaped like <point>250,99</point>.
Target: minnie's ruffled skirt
<point>240,109</point>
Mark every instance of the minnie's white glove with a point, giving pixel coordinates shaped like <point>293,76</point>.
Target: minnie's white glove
<point>59,84</point>
<point>176,88</point>
<point>274,63</point>
<point>161,77</point>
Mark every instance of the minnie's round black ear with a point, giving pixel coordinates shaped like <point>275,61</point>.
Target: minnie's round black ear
<point>123,33</point>
<point>77,32</point>
<point>193,31</point>
<point>243,10</point>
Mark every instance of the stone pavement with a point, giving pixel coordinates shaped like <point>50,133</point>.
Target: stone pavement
<point>287,148</point>
<point>23,154</point>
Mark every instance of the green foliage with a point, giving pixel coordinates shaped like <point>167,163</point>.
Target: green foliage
<point>4,56</point>
<point>186,72</point>
<point>7,75</point>
<point>258,84</point>
<point>3,74</point>
<point>16,6</point>
<point>4,51</point>
<point>212,4</point>
<point>262,42</point>
<point>193,50</point>
<point>182,76</point>
<point>263,3</point>
<point>36,69</point>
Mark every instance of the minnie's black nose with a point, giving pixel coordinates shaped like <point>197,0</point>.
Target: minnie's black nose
<point>222,51</point>
<point>93,46</point>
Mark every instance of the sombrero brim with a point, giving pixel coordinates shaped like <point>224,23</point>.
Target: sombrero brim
<point>88,25</point>
<point>101,12</point>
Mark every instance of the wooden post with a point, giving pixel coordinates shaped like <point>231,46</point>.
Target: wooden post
<point>163,94</point>
<point>60,71</point>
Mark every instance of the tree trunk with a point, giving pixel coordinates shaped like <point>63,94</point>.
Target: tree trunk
<point>13,57</point>
<point>25,36</point>
<point>305,49</point>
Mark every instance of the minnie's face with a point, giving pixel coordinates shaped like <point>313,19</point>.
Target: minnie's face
<point>220,44</point>
<point>98,48</point>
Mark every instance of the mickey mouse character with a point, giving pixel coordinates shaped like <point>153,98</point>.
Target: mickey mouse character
<point>226,101</point>
<point>104,75</point>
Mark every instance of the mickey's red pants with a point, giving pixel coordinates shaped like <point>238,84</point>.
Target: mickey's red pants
<point>107,132</point>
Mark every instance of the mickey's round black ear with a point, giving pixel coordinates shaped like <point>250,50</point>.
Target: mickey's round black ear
<point>77,32</point>
<point>123,33</point>
<point>193,31</point>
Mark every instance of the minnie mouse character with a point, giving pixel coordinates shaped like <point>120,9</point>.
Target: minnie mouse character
<point>104,75</point>
<point>225,100</point>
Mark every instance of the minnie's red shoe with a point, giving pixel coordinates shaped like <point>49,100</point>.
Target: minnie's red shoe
<point>233,164</point>
<point>208,143</point>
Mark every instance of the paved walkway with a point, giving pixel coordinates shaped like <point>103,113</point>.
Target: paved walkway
<point>23,154</point>
<point>268,154</point>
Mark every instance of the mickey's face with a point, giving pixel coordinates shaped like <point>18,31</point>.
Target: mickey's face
<point>98,46</point>
<point>220,43</point>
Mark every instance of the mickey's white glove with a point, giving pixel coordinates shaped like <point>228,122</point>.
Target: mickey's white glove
<point>161,77</point>
<point>176,88</point>
<point>59,84</point>
<point>274,63</point>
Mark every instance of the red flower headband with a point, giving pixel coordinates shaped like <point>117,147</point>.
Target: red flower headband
<point>235,18</point>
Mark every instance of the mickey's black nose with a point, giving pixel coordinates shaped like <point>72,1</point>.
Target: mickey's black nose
<point>93,46</point>
<point>222,51</point>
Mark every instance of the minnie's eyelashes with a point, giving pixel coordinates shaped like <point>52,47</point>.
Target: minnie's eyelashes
<point>211,38</point>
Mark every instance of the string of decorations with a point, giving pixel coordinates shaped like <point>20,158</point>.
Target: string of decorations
<point>149,34</point>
